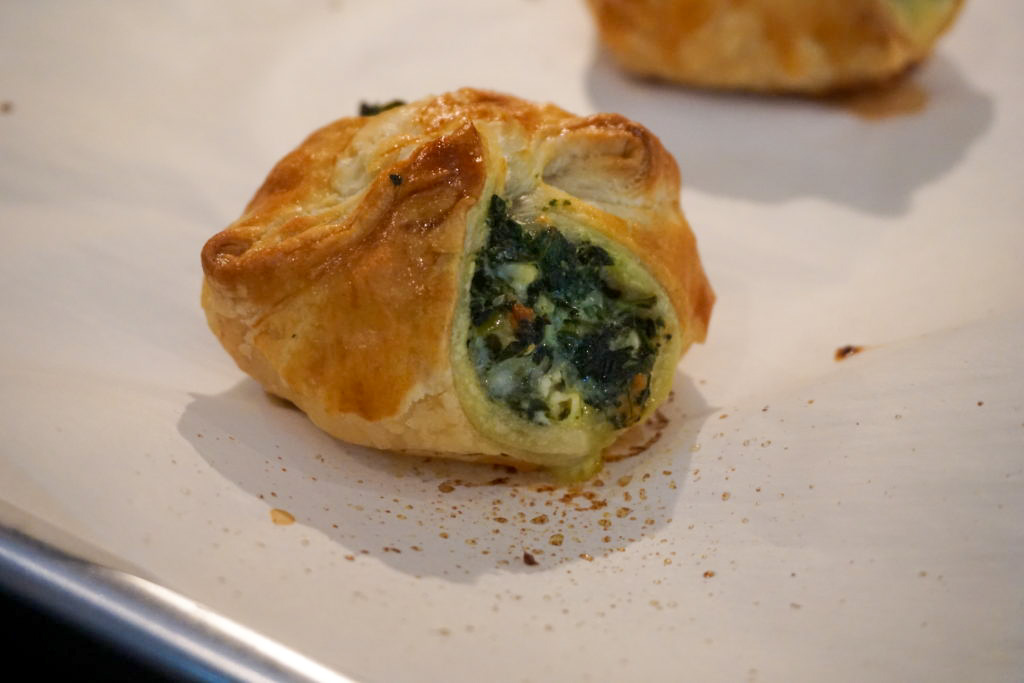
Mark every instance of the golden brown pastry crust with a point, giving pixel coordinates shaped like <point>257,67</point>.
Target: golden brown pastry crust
<point>809,46</point>
<point>338,287</point>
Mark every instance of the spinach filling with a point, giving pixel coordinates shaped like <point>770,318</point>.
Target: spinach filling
<point>553,334</point>
<point>373,108</point>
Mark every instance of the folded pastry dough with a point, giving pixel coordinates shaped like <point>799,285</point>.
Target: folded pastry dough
<point>471,275</point>
<point>810,46</point>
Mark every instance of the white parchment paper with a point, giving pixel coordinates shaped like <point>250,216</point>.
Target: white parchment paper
<point>799,519</point>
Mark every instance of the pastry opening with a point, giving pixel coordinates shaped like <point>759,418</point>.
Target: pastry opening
<point>557,333</point>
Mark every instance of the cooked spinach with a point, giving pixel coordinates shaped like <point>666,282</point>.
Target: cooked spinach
<point>550,329</point>
<point>372,109</point>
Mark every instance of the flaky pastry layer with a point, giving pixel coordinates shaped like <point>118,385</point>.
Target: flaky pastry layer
<point>808,46</point>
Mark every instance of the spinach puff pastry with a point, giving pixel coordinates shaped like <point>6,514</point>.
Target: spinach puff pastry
<point>472,276</point>
<point>808,46</point>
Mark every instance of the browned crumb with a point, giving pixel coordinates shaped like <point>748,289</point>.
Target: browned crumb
<point>844,352</point>
<point>281,517</point>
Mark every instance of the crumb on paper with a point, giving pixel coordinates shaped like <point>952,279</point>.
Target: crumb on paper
<point>281,517</point>
<point>844,352</point>
<point>529,559</point>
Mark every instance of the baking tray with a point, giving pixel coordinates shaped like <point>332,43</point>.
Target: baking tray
<point>794,517</point>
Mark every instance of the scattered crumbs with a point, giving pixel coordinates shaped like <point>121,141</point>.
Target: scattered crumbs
<point>764,410</point>
<point>810,401</point>
<point>529,559</point>
<point>624,481</point>
<point>389,549</point>
<point>745,520</point>
<point>595,503</point>
<point>282,517</point>
<point>897,416</point>
<point>445,487</point>
<point>556,539</point>
<point>622,512</point>
<point>922,573</point>
<point>443,534</point>
<point>981,403</point>
<point>844,352</point>
<point>587,556</point>
<point>350,558</point>
<point>723,416</point>
<point>795,605</point>
<point>540,519</point>
<point>726,495</point>
<point>6,107</point>
<point>708,574</point>
<point>444,631</point>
